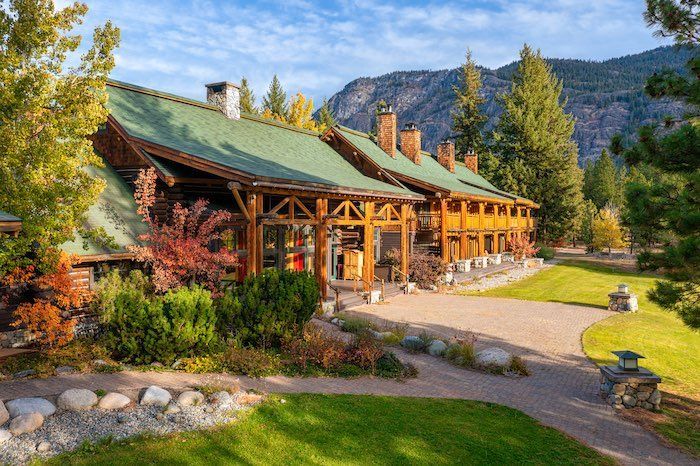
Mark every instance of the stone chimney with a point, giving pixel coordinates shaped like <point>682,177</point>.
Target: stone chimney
<point>471,160</point>
<point>446,155</point>
<point>386,131</point>
<point>226,96</point>
<point>410,142</point>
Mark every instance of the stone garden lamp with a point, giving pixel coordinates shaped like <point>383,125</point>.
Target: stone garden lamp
<point>628,360</point>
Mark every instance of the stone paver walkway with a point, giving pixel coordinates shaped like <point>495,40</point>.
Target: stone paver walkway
<point>561,392</point>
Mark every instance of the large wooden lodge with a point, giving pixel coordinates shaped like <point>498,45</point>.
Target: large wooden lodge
<point>330,203</point>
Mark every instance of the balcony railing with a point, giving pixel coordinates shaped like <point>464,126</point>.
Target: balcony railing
<point>431,221</point>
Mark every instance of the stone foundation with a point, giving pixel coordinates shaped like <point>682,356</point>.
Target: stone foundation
<point>86,326</point>
<point>623,390</point>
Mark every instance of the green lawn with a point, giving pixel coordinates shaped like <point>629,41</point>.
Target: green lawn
<point>671,349</point>
<point>347,429</point>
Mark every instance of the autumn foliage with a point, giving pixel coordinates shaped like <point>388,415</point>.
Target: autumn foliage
<point>521,247</point>
<point>46,315</point>
<point>178,251</point>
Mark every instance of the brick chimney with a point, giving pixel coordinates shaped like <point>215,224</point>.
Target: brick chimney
<point>410,142</point>
<point>446,155</point>
<point>471,160</point>
<point>386,131</point>
<point>226,96</point>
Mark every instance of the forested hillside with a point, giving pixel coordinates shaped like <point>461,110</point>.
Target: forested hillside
<point>605,97</point>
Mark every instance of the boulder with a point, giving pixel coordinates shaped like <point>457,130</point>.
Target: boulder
<point>5,435</point>
<point>629,401</point>
<point>619,389</point>
<point>30,405</point>
<point>437,348</point>
<point>4,415</point>
<point>60,370</point>
<point>156,396</point>
<point>77,399</point>
<point>25,423</point>
<point>493,357</point>
<point>412,342</point>
<point>655,397</point>
<point>23,374</point>
<point>248,399</point>
<point>113,401</point>
<point>221,400</point>
<point>172,408</point>
<point>190,398</point>
<point>43,447</point>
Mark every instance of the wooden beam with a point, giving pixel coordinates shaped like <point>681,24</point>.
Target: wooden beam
<point>368,246</point>
<point>444,245</point>
<point>259,235</point>
<point>321,266</point>
<point>404,238</point>
<point>241,204</point>
<point>463,246</point>
<point>251,234</point>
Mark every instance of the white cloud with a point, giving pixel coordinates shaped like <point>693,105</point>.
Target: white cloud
<point>177,46</point>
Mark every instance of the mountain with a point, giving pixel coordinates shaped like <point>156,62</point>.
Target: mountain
<point>606,97</point>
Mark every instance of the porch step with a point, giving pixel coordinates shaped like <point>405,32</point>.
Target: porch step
<point>349,299</point>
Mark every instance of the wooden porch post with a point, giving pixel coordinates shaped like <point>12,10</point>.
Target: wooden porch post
<point>463,253</point>
<point>368,264</point>
<point>404,238</point>
<point>482,226</point>
<point>321,246</point>
<point>259,236</point>
<point>444,246</point>
<point>508,220</point>
<point>251,233</point>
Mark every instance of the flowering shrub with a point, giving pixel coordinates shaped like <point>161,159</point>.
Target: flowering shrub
<point>426,270</point>
<point>178,251</point>
<point>46,314</point>
<point>521,247</point>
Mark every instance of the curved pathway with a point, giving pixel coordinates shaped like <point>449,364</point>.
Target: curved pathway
<point>562,391</point>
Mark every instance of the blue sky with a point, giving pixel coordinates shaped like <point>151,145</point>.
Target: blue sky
<point>318,47</point>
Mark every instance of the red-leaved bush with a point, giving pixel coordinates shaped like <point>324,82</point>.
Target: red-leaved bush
<point>521,247</point>
<point>178,250</point>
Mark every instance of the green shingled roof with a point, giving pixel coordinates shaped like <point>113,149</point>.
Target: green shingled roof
<point>429,171</point>
<point>468,176</point>
<point>115,211</point>
<point>6,217</point>
<point>252,145</point>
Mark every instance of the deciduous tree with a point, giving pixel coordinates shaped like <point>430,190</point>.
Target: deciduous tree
<point>301,112</point>
<point>178,251</point>
<point>607,233</point>
<point>47,111</point>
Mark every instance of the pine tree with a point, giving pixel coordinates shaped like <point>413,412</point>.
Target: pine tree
<point>533,140</point>
<point>467,118</point>
<point>325,117</point>
<point>46,116</point>
<point>601,182</point>
<point>274,103</point>
<point>669,201</point>
<point>301,112</point>
<point>248,98</point>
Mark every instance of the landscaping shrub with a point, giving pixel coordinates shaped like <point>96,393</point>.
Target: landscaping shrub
<point>355,324</point>
<point>366,351</point>
<point>462,351</point>
<point>140,329</point>
<point>202,364</point>
<point>251,361</point>
<point>317,348</point>
<point>112,284</point>
<point>267,308</point>
<point>426,270</point>
<point>388,365</point>
<point>545,252</point>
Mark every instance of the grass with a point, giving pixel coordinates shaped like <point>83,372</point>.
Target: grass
<point>347,429</point>
<point>671,348</point>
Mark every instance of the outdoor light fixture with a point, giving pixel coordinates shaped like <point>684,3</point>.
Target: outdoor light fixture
<point>622,288</point>
<point>627,360</point>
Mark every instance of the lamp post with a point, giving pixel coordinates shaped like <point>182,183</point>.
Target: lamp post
<point>628,360</point>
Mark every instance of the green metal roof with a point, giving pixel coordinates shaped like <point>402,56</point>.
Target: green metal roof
<point>115,211</point>
<point>429,170</point>
<point>253,145</point>
<point>6,217</point>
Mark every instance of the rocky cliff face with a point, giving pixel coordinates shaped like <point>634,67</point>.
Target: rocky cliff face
<point>605,97</point>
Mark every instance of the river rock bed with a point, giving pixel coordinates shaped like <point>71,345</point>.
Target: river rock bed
<point>66,430</point>
<point>500,278</point>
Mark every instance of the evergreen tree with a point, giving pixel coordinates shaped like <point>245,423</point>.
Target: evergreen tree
<point>467,118</point>
<point>325,117</point>
<point>588,215</point>
<point>601,182</point>
<point>248,98</point>
<point>274,103</point>
<point>533,139</point>
<point>670,201</point>
<point>47,115</point>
